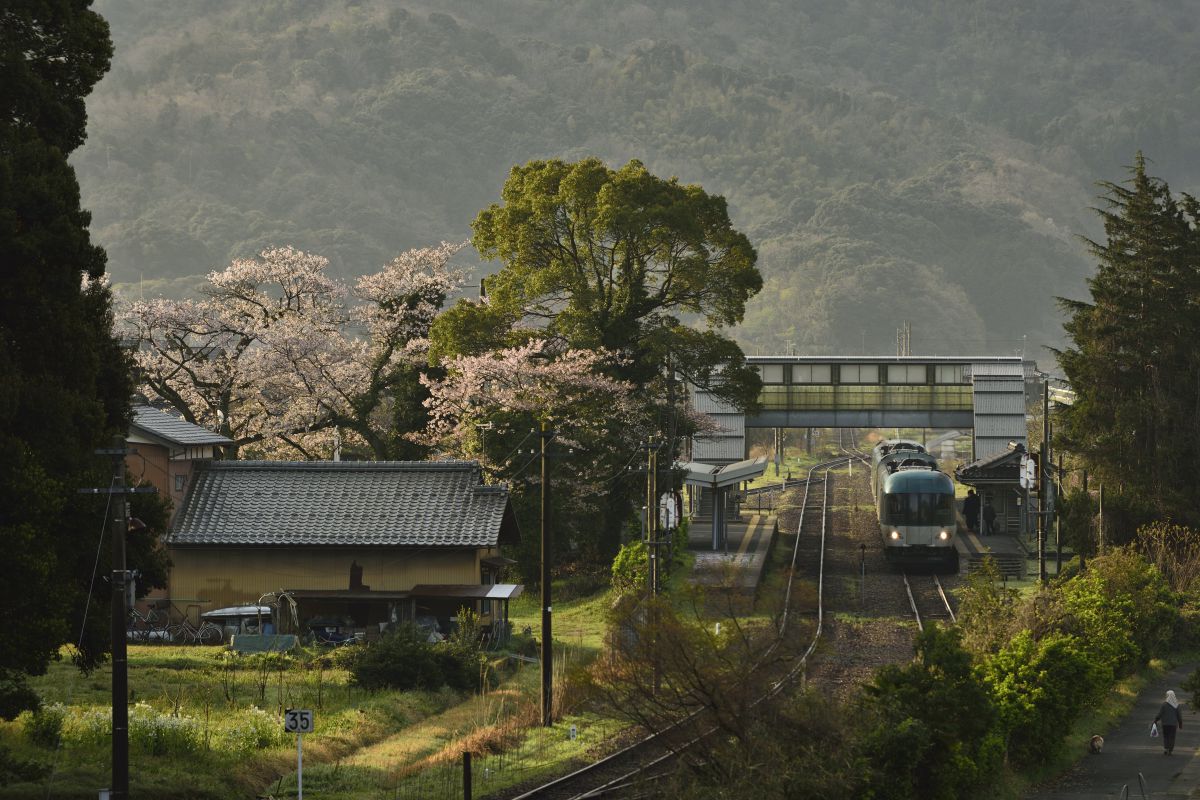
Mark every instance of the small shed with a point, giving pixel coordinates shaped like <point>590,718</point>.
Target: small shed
<point>997,479</point>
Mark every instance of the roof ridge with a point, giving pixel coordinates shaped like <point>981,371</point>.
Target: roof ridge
<point>442,466</point>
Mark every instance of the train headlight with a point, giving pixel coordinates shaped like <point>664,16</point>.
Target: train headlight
<point>895,536</point>
<point>944,535</point>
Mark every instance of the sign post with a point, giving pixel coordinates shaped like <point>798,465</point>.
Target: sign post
<point>299,722</point>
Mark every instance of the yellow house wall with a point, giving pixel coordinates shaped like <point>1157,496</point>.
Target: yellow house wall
<point>218,577</point>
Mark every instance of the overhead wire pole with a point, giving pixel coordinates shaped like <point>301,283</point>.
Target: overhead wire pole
<point>1045,501</point>
<point>547,632</point>
<point>119,616</point>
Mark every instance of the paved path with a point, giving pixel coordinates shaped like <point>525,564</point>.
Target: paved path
<point>1129,750</point>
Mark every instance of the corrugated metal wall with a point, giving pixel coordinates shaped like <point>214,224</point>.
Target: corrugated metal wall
<point>999,408</point>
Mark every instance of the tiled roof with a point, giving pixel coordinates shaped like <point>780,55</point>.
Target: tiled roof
<point>173,429</point>
<point>397,503</point>
<point>1006,458</point>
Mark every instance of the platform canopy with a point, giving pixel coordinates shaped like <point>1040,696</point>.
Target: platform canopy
<point>716,476</point>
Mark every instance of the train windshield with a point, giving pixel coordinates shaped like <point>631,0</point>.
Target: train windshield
<point>920,508</point>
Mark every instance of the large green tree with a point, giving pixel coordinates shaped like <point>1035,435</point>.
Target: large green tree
<point>64,381</point>
<point>621,259</point>
<point>645,268</point>
<point>1133,360</point>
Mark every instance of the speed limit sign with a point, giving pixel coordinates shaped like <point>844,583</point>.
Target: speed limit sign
<point>297,720</point>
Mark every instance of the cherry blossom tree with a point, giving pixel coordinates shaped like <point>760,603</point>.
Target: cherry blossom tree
<point>283,359</point>
<point>490,407</point>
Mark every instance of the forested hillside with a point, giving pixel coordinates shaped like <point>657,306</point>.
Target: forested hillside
<point>936,156</point>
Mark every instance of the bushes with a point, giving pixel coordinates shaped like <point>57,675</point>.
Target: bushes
<point>405,660</point>
<point>630,568</point>
<point>932,735</point>
<point>1039,688</point>
<point>43,726</point>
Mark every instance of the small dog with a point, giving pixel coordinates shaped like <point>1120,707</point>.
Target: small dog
<point>1096,744</point>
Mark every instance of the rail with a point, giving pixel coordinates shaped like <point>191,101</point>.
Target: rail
<point>624,782</point>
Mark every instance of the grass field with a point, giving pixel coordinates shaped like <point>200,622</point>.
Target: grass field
<point>207,724</point>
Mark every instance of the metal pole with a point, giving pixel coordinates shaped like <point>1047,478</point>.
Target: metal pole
<point>547,634</point>
<point>1058,525</point>
<point>466,776</point>
<point>120,617</point>
<point>1044,483</point>
<point>299,766</point>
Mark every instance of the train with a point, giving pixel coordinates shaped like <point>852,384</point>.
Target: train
<point>915,506</point>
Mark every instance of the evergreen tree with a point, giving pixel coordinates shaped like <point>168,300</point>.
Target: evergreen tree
<point>625,261</point>
<point>1133,360</point>
<point>64,380</point>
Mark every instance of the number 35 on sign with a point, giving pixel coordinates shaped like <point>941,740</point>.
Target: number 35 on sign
<point>297,720</point>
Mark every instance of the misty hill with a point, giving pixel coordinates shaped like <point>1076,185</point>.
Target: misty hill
<point>936,157</point>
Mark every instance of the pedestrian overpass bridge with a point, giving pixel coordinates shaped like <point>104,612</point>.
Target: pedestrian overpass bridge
<point>983,393</point>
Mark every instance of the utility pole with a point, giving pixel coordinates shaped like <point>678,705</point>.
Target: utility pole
<point>1058,523</point>
<point>119,614</point>
<point>1044,499</point>
<point>547,552</point>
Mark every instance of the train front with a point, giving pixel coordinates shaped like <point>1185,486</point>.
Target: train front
<point>916,517</point>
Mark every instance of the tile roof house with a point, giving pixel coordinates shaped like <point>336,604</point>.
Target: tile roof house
<point>166,448</point>
<point>365,543</point>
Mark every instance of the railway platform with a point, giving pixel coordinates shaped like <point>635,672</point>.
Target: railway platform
<point>739,566</point>
<point>1006,549</point>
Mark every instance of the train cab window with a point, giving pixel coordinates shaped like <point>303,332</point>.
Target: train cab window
<point>858,373</point>
<point>919,508</point>
<point>812,373</point>
<point>772,373</point>
<point>950,373</point>
<point>906,373</point>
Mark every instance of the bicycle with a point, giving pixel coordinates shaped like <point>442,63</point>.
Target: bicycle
<point>145,627</point>
<point>187,633</point>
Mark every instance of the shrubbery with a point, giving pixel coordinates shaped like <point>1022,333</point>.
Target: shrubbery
<point>405,660</point>
<point>1015,676</point>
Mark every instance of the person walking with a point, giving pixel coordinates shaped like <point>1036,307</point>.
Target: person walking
<point>989,518</point>
<point>1172,719</point>
<point>971,510</point>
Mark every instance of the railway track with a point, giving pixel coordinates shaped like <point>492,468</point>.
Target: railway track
<point>928,600</point>
<point>630,771</point>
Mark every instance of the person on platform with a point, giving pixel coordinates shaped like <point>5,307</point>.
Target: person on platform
<point>989,518</point>
<point>1171,719</point>
<point>971,510</point>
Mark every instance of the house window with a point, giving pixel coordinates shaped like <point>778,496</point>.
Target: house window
<point>906,373</point>
<point>859,373</point>
<point>772,373</point>
<point>950,373</point>
<point>812,373</point>
<point>180,482</point>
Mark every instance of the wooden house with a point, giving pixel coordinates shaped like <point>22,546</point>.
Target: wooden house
<point>358,545</point>
<point>165,449</point>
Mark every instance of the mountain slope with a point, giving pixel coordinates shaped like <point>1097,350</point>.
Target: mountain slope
<point>930,161</point>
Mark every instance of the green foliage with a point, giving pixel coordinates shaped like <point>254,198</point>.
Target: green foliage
<point>630,568</point>
<point>931,735</point>
<point>987,609</point>
<point>1125,574</point>
<point>1039,688</point>
<point>612,258</point>
<point>405,660</point>
<point>65,382</point>
<point>1103,620</point>
<point>1192,684</point>
<point>44,725</point>
<point>1132,358</point>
